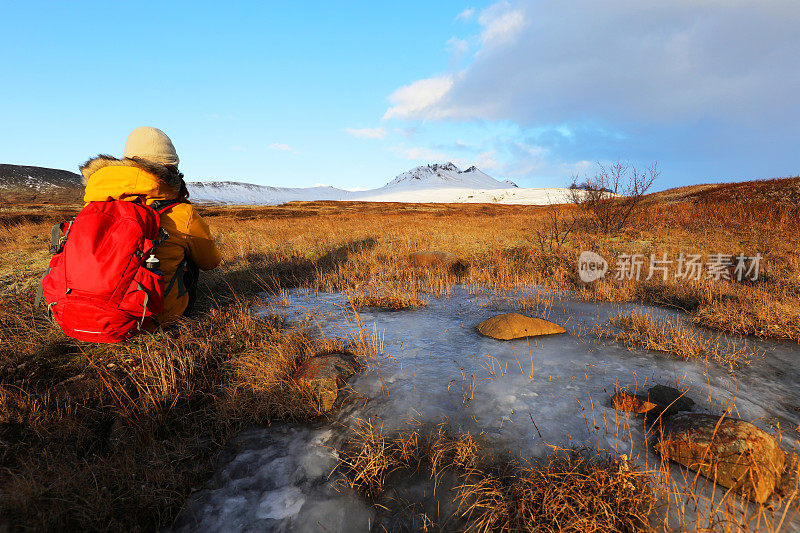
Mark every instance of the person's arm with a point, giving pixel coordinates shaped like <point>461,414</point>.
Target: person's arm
<point>202,248</point>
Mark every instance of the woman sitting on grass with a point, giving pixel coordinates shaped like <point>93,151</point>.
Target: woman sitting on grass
<point>149,170</point>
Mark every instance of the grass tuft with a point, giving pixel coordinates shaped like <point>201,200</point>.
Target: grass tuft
<point>569,490</point>
<point>392,298</point>
<point>641,331</point>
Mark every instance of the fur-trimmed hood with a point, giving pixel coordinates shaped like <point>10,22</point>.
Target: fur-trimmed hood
<point>162,172</point>
<point>108,177</point>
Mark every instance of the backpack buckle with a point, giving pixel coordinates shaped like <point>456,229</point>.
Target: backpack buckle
<point>162,236</point>
<point>58,237</point>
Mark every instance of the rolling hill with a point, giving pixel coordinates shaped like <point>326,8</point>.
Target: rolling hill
<point>27,184</point>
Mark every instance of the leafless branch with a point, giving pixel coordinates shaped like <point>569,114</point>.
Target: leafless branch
<point>613,194</point>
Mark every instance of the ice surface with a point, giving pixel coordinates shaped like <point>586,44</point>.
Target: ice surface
<point>276,479</point>
<point>281,503</point>
<point>521,395</point>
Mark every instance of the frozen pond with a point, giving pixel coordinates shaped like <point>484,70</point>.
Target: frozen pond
<point>519,395</point>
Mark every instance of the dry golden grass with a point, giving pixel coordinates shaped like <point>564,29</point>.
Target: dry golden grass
<point>569,490</point>
<point>392,298</point>
<point>101,437</point>
<point>114,437</point>
<point>508,246</point>
<point>259,385</point>
<point>348,246</point>
<point>574,489</point>
<point>755,312</point>
<point>638,330</point>
<point>641,331</point>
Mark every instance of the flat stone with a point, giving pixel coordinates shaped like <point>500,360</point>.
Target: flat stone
<point>433,259</point>
<point>669,400</point>
<point>733,453</point>
<point>516,326</point>
<point>789,487</point>
<point>429,258</point>
<point>322,376</point>
<point>625,401</point>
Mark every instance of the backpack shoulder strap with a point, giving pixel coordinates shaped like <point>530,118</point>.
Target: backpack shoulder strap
<point>163,205</point>
<point>40,290</point>
<point>56,234</point>
<point>160,207</point>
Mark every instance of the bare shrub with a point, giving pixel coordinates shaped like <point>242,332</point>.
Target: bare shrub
<point>612,195</point>
<point>556,230</point>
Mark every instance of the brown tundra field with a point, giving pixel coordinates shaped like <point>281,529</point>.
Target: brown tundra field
<point>120,437</point>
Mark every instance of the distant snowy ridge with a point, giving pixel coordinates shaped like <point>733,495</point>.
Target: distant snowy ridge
<point>446,175</point>
<point>232,192</point>
<point>436,183</point>
<point>512,195</point>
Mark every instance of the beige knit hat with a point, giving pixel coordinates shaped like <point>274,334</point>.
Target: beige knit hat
<point>151,144</point>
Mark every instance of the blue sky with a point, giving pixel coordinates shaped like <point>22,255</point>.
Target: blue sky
<point>350,94</point>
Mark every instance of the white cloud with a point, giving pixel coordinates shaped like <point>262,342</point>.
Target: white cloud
<point>485,161</point>
<point>467,14</point>
<point>367,133</point>
<point>608,62</point>
<point>578,168</point>
<point>408,132</point>
<point>419,98</point>
<point>418,153</point>
<point>534,151</point>
<point>458,145</point>
<point>281,147</point>
<point>526,159</point>
<point>501,24</point>
<point>458,48</point>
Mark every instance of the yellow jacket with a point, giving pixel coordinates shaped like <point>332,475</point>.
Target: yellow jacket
<point>108,178</point>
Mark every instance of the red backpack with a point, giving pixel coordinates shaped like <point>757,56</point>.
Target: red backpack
<point>97,287</point>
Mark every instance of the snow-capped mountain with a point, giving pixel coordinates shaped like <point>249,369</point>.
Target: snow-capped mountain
<point>448,176</point>
<point>439,182</point>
